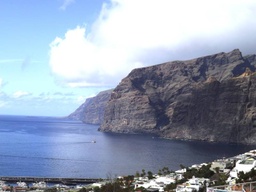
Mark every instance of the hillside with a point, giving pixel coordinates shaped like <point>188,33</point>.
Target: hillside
<point>92,110</point>
<point>209,98</point>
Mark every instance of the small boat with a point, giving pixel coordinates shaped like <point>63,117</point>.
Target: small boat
<point>93,141</point>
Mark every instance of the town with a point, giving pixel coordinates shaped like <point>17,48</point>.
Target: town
<point>236,173</point>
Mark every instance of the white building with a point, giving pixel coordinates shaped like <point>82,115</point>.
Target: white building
<point>193,184</point>
<point>245,165</point>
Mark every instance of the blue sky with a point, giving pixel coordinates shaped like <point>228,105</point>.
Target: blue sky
<point>56,53</point>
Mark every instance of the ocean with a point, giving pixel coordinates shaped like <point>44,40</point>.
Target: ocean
<point>55,147</point>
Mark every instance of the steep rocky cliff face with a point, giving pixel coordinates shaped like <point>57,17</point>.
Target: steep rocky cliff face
<point>217,111</point>
<point>211,98</point>
<point>92,110</point>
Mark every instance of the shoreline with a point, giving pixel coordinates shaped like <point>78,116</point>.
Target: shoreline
<point>67,181</point>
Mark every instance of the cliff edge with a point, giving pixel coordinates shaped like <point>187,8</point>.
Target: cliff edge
<point>211,98</point>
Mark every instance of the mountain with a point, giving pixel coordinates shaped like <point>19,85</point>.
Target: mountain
<point>211,98</point>
<point>92,110</point>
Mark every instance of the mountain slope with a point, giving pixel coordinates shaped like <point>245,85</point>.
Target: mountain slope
<point>204,99</point>
<point>92,110</point>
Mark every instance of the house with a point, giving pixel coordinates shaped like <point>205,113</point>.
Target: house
<point>243,165</point>
<point>224,165</point>
<point>166,180</point>
<point>193,184</point>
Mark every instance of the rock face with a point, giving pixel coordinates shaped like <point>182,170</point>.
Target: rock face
<point>92,110</point>
<point>211,98</point>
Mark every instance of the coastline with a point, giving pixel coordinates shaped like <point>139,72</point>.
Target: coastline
<point>80,180</point>
<point>170,179</point>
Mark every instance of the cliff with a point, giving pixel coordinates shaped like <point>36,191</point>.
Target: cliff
<point>92,110</point>
<point>210,98</point>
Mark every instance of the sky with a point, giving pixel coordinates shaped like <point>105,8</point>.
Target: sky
<point>56,53</point>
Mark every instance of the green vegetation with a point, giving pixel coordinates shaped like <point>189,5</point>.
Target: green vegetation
<point>203,172</point>
<point>54,189</point>
<point>164,171</point>
<point>246,177</point>
<point>115,185</point>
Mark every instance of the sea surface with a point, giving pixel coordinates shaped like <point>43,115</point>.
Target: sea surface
<point>55,147</point>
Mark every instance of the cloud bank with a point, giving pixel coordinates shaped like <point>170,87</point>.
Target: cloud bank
<point>135,33</point>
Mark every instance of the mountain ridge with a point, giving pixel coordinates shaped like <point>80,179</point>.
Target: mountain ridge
<point>205,98</point>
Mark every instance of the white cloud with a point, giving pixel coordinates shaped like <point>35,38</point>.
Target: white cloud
<point>20,94</point>
<point>134,33</point>
<point>83,63</point>
<point>66,3</point>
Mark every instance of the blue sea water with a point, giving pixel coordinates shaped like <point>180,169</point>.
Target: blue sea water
<point>55,147</point>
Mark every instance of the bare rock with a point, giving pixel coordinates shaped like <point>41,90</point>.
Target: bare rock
<point>200,99</point>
